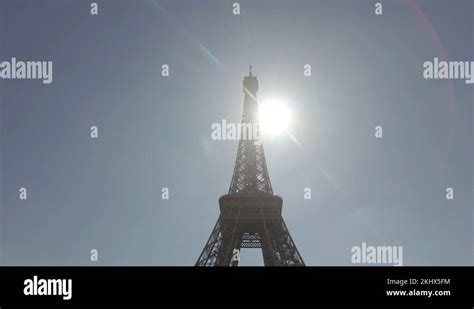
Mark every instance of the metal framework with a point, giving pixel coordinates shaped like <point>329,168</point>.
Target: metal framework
<point>250,214</point>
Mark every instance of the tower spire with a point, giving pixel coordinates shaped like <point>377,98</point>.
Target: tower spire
<point>250,69</point>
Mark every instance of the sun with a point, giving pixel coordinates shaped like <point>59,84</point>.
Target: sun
<point>274,116</point>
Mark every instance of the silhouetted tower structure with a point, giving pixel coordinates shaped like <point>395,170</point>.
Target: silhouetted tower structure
<point>250,214</point>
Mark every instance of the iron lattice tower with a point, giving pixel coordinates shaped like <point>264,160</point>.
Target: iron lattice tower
<point>250,214</point>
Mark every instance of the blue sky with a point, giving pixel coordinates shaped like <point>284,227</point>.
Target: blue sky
<point>155,132</point>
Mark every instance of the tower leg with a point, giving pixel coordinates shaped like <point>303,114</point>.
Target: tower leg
<point>219,248</point>
<point>284,249</point>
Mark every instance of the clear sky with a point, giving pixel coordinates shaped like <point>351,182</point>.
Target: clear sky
<point>155,131</point>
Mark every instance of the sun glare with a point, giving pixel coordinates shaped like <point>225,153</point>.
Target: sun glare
<point>274,116</point>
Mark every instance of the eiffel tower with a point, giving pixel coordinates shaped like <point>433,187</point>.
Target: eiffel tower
<point>250,214</point>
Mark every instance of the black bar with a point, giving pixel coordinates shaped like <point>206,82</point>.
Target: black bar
<point>241,285</point>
